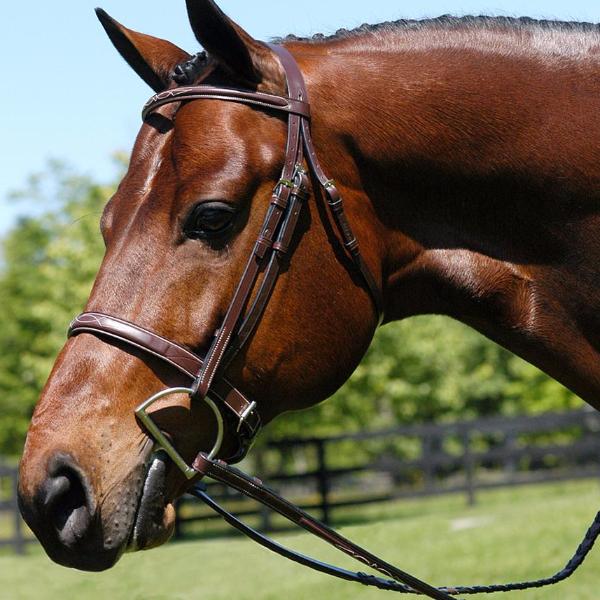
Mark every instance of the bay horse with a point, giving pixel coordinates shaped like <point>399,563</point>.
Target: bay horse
<point>467,152</point>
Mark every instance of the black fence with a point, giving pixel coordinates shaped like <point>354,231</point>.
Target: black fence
<point>329,474</point>
<point>13,532</point>
<point>333,474</point>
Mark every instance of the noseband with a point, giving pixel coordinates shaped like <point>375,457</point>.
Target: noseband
<point>238,415</point>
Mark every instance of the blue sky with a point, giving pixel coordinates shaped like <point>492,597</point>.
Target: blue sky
<point>69,96</point>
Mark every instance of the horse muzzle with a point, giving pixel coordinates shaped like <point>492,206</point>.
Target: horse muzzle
<point>63,513</point>
<point>87,530</point>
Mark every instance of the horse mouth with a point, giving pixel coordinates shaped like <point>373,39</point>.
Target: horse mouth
<point>154,520</point>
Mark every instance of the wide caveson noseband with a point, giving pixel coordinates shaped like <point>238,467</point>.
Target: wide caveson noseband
<point>240,416</point>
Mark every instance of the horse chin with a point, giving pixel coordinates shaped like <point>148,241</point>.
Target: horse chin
<point>154,521</point>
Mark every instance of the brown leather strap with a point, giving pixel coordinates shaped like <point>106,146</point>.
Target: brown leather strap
<point>233,334</point>
<point>335,201</point>
<point>229,330</point>
<point>199,491</point>
<point>336,205</point>
<point>240,299</point>
<point>246,418</point>
<point>209,92</point>
<point>280,246</point>
<point>294,77</point>
<point>297,89</point>
<point>255,489</point>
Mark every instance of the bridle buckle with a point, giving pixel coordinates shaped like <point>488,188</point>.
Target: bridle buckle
<point>244,416</point>
<point>288,183</point>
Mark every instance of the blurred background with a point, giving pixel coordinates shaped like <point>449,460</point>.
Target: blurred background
<point>435,412</point>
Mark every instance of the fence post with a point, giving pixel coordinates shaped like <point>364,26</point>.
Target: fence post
<point>510,464</point>
<point>469,466</point>
<point>264,512</point>
<point>178,533</point>
<point>18,539</point>
<point>427,461</point>
<point>323,481</point>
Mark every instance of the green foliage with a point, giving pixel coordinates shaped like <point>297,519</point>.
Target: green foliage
<point>427,368</point>
<point>49,265</point>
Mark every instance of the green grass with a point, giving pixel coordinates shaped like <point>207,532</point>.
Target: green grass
<point>510,534</point>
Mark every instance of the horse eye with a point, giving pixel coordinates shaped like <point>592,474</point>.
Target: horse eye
<point>209,220</point>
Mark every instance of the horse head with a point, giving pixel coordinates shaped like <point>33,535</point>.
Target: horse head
<point>178,234</point>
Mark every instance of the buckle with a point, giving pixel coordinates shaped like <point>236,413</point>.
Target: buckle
<point>288,183</point>
<point>300,170</point>
<point>249,410</point>
<point>337,206</point>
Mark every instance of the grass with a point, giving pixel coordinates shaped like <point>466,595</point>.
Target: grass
<point>511,534</point>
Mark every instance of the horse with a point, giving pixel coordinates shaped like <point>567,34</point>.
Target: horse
<point>466,151</point>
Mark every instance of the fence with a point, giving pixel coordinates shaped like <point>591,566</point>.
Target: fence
<point>334,473</point>
<point>10,518</point>
<point>328,474</point>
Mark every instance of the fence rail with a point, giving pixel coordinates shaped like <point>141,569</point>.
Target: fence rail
<point>462,457</point>
<point>330,474</point>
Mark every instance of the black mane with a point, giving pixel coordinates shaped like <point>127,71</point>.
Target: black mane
<point>448,22</point>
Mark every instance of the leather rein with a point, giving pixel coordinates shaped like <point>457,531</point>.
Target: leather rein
<point>237,416</point>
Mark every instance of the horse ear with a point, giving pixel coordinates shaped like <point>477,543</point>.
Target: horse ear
<point>151,58</point>
<point>240,54</point>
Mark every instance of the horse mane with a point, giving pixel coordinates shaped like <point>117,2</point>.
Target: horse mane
<point>448,23</point>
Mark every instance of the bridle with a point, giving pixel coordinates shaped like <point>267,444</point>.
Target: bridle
<point>237,416</point>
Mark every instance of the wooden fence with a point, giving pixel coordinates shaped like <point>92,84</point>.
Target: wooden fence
<point>12,529</point>
<point>329,474</point>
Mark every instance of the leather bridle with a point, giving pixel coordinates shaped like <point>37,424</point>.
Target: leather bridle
<point>241,416</point>
<point>237,417</point>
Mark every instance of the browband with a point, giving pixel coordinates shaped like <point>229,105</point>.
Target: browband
<point>209,92</point>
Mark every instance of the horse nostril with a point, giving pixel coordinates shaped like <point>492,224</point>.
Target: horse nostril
<point>66,503</point>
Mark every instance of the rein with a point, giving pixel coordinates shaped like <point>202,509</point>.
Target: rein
<point>237,417</point>
<point>395,579</point>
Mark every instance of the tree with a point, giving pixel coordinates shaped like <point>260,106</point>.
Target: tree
<point>49,265</point>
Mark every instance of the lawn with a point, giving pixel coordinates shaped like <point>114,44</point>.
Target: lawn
<point>510,534</point>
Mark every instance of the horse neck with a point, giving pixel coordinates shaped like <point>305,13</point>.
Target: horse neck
<point>406,128</point>
<point>464,205</point>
